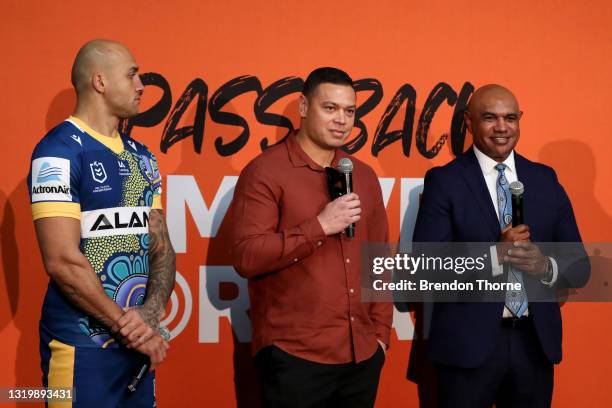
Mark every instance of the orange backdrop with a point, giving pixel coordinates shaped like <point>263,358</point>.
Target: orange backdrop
<point>555,55</point>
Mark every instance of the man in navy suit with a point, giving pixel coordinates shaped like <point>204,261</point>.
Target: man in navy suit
<point>499,352</point>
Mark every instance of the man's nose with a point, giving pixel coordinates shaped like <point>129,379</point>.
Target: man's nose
<point>500,125</point>
<point>139,85</point>
<point>340,117</point>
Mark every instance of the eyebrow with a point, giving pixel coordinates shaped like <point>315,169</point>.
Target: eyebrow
<point>134,68</point>
<point>335,104</point>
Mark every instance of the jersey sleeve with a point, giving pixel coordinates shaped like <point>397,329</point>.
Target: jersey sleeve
<point>156,184</point>
<point>54,180</point>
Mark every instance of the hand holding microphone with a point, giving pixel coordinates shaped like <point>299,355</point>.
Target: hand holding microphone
<point>338,215</point>
<point>154,352</point>
<point>522,254</point>
<point>343,212</point>
<point>345,166</point>
<point>516,231</point>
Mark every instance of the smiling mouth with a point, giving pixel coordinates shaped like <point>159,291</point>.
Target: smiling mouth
<point>500,140</point>
<point>338,133</point>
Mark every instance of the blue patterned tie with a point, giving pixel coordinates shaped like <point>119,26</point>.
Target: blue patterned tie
<point>516,300</point>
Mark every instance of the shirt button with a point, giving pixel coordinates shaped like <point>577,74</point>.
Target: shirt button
<point>352,319</point>
<point>351,290</point>
<point>348,260</point>
<point>295,259</point>
<point>319,243</point>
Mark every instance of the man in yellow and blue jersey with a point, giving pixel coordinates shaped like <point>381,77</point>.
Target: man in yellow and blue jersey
<point>96,203</point>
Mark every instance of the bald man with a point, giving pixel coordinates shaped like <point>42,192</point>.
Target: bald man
<point>499,352</point>
<point>96,204</point>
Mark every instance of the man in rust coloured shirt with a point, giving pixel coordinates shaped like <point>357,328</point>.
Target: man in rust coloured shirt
<point>316,344</point>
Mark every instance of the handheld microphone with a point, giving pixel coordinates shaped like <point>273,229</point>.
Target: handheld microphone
<point>133,385</point>
<point>517,189</point>
<point>345,166</point>
<point>141,373</point>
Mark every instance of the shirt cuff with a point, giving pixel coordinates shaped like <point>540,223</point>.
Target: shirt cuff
<point>56,209</point>
<point>313,232</point>
<point>555,273</point>
<point>157,202</point>
<point>497,269</point>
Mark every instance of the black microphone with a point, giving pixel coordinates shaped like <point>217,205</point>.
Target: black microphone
<point>138,377</point>
<point>144,368</point>
<point>345,166</point>
<point>517,189</point>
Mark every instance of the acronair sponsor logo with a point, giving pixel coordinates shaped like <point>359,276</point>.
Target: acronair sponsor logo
<point>50,179</point>
<point>115,221</point>
<point>47,173</point>
<point>50,189</point>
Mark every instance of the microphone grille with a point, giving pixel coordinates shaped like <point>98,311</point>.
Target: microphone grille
<point>517,188</point>
<point>345,165</point>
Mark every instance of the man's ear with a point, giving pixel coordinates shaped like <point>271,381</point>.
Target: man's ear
<point>303,105</point>
<point>97,82</point>
<point>468,120</point>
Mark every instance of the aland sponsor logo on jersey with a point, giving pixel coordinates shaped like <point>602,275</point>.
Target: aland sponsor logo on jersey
<point>50,179</point>
<point>115,221</point>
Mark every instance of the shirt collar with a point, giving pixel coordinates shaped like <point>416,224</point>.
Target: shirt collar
<point>299,158</point>
<point>113,142</point>
<point>487,164</point>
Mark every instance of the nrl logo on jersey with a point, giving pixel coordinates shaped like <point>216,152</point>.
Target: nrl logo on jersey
<point>115,221</point>
<point>98,172</point>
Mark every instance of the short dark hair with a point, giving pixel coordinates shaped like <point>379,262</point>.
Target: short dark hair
<point>325,75</point>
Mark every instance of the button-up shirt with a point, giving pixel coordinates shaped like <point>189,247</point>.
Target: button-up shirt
<point>304,286</point>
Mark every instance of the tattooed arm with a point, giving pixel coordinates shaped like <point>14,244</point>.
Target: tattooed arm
<point>143,321</point>
<point>162,269</point>
<point>58,239</point>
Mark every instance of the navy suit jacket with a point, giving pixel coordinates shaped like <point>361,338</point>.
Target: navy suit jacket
<point>456,207</point>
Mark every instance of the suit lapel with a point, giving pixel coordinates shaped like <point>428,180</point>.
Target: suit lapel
<point>524,176</point>
<point>475,180</point>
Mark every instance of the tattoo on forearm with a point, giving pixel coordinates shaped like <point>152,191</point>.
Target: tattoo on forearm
<point>162,269</point>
